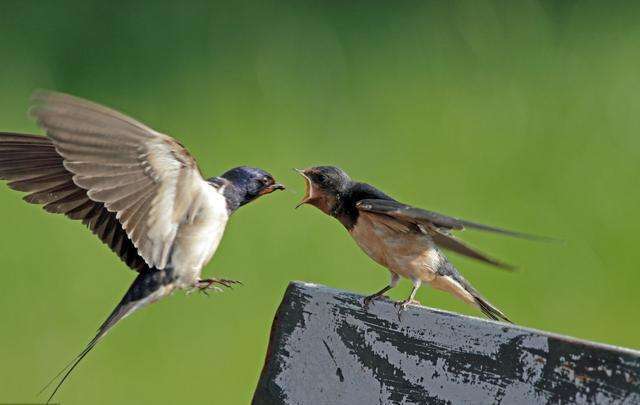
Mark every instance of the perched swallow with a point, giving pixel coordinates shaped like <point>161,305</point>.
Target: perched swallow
<point>137,189</point>
<point>404,239</point>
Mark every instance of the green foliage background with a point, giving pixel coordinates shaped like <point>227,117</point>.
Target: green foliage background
<point>519,114</point>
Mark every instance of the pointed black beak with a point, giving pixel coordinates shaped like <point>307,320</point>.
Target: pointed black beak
<point>270,189</point>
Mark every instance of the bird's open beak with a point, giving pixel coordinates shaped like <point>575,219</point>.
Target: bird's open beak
<point>270,189</point>
<point>308,192</point>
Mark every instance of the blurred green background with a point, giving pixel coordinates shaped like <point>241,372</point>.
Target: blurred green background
<point>518,114</point>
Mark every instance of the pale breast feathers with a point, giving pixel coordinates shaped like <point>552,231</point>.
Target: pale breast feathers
<point>396,245</point>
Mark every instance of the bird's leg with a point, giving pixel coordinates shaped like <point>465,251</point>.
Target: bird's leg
<point>214,283</point>
<point>367,300</point>
<point>392,283</point>
<point>402,305</point>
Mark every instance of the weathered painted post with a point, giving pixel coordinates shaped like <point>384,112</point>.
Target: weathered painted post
<point>325,349</point>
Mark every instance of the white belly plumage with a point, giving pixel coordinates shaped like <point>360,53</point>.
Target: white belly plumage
<point>197,240</point>
<point>405,253</point>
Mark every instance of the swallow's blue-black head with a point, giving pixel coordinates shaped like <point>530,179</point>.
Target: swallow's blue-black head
<point>247,184</point>
<point>324,185</point>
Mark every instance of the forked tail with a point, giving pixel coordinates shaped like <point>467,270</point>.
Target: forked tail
<point>148,287</point>
<point>489,310</point>
<point>461,288</point>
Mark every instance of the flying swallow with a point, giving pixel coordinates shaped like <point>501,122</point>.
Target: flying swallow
<point>404,239</point>
<point>137,189</point>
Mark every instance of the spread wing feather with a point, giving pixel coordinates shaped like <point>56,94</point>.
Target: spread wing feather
<point>50,184</point>
<point>436,225</point>
<point>418,215</point>
<point>409,213</point>
<point>146,178</point>
<point>452,243</point>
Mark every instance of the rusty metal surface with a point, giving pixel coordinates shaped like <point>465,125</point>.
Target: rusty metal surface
<point>325,349</point>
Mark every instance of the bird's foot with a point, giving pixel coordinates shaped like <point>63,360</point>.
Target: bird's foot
<point>402,306</point>
<point>214,284</point>
<point>370,298</point>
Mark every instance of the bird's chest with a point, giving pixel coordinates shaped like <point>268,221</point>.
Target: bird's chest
<point>395,246</point>
<point>198,239</point>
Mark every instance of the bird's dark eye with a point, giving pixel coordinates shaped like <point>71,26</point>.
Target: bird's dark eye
<point>321,178</point>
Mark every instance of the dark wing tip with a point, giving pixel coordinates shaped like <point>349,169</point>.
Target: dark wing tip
<point>499,264</point>
<point>507,232</point>
<point>450,242</point>
<point>37,102</point>
<point>509,267</point>
<point>39,95</point>
<point>43,96</point>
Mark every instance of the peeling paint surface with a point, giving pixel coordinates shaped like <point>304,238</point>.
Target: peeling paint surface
<point>325,349</point>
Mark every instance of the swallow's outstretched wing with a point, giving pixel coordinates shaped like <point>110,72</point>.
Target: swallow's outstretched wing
<point>450,242</point>
<point>121,178</point>
<point>418,215</point>
<point>146,178</point>
<point>408,213</point>
<point>438,226</point>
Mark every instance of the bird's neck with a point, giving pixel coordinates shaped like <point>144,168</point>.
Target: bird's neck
<point>234,194</point>
<point>344,209</point>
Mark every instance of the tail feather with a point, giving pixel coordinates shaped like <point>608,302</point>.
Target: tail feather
<point>148,287</point>
<point>452,281</point>
<point>70,366</point>
<point>491,311</point>
<point>119,312</point>
<point>485,306</point>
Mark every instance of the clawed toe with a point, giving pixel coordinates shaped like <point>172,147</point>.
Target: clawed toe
<point>227,283</point>
<point>366,302</point>
<point>402,306</point>
<point>215,284</point>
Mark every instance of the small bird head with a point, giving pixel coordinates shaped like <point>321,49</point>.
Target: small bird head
<point>324,185</point>
<point>250,183</point>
